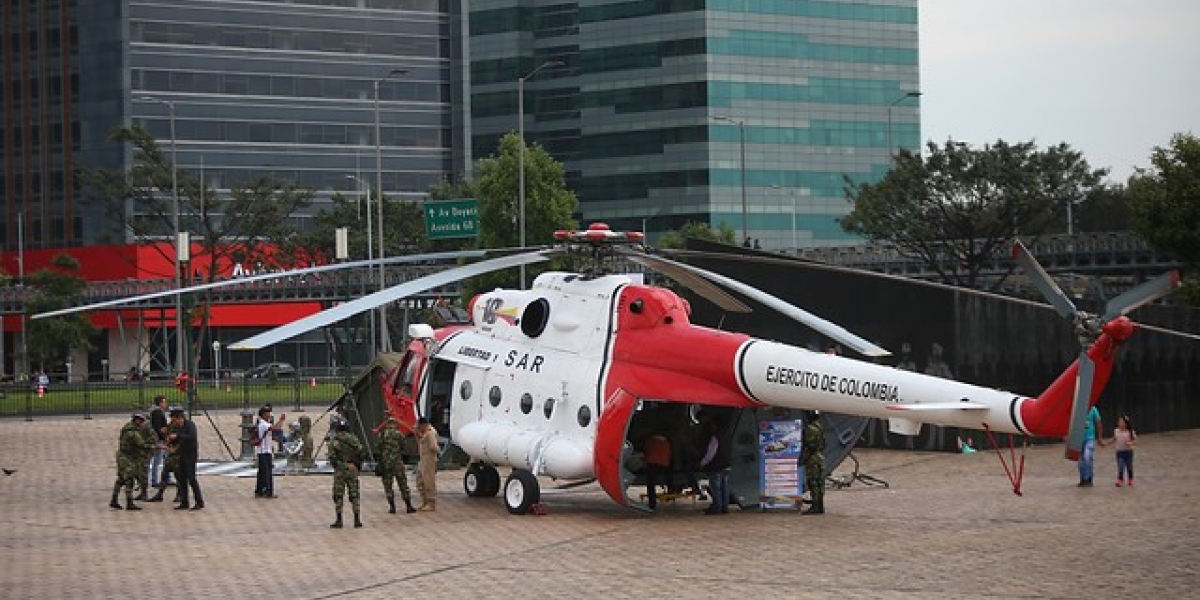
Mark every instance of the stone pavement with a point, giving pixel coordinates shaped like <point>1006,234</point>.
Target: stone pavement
<point>947,527</point>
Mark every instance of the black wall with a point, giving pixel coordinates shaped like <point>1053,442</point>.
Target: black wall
<point>986,339</point>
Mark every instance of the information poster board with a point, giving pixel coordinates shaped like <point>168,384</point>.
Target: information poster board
<point>781,480</point>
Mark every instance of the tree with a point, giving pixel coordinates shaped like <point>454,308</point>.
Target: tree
<point>1166,202</point>
<point>548,202</point>
<point>231,228</point>
<point>403,229</point>
<point>52,339</point>
<point>677,238</point>
<point>958,209</point>
<point>228,228</point>
<point>1105,209</point>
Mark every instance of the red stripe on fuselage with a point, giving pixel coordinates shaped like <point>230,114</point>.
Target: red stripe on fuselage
<point>658,354</point>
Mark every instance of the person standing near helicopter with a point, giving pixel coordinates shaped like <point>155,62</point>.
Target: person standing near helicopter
<point>812,458</point>
<point>391,463</point>
<point>345,456</point>
<point>427,450</point>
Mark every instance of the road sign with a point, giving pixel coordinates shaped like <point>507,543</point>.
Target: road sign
<point>452,219</point>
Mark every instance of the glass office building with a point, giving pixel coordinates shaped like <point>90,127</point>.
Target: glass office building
<point>254,87</point>
<point>748,114</point>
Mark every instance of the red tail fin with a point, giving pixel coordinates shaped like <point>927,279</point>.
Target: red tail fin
<point>1049,414</point>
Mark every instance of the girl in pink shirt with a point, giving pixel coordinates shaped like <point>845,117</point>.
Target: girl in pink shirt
<point>1124,439</point>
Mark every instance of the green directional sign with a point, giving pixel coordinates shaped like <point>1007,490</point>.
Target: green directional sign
<point>452,219</point>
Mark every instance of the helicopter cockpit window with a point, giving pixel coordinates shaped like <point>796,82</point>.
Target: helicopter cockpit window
<point>494,395</point>
<point>535,317</point>
<point>548,407</point>
<point>584,416</point>
<point>464,390</point>
<point>407,374</point>
<point>526,403</point>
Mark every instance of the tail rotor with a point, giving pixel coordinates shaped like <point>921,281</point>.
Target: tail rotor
<point>1088,327</point>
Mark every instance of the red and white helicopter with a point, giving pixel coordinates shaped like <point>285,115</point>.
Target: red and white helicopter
<point>549,381</point>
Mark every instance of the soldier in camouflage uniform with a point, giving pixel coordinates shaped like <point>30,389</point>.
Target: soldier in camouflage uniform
<point>171,464</point>
<point>345,456</point>
<point>391,463</point>
<point>812,458</point>
<point>143,476</point>
<point>131,447</point>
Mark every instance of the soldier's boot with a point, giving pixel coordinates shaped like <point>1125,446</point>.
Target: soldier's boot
<point>115,504</point>
<point>408,507</point>
<point>391,505</point>
<point>817,508</point>
<point>357,521</point>
<point>428,506</point>
<point>129,505</point>
<point>337,523</point>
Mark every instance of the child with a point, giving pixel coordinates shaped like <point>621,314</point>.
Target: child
<point>1124,439</point>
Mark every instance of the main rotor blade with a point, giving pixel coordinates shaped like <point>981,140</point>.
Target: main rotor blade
<point>1080,405</point>
<point>1042,280</point>
<point>395,260</point>
<point>1157,329</point>
<point>690,280</point>
<point>1141,295</point>
<point>826,328</point>
<point>391,294</point>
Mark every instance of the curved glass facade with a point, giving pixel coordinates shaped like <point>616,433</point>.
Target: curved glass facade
<point>705,110</point>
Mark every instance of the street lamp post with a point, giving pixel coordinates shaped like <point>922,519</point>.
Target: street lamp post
<point>906,96</point>
<point>180,365</point>
<point>21,282</point>
<point>521,151</point>
<point>370,249</point>
<point>742,142</point>
<point>385,341</point>
<point>216,346</point>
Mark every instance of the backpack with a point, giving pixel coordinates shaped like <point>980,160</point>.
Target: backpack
<point>255,441</point>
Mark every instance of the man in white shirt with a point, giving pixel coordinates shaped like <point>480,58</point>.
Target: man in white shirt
<point>265,483</point>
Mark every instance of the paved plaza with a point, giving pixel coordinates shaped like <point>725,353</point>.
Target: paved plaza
<point>947,527</point>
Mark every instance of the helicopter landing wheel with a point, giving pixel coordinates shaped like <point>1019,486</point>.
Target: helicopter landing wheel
<point>521,492</point>
<point>481,481</point>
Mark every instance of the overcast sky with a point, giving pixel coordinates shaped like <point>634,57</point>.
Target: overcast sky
<point>1112,78</point>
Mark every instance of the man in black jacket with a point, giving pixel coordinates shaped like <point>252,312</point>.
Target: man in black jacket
<point>189,452</point>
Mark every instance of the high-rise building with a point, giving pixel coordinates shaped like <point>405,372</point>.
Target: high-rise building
<point>747,114</point>
<point>252,87</point>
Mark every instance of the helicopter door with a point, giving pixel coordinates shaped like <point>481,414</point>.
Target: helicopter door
<point>611,448</point>
<point>438,400</point>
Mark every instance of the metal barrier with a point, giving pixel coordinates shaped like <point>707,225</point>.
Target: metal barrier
<point>86,398</point>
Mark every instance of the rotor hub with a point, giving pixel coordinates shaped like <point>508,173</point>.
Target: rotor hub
<point>1120,328</point>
